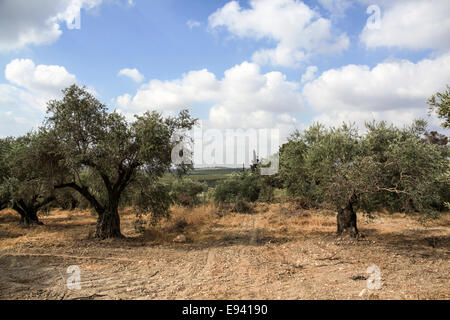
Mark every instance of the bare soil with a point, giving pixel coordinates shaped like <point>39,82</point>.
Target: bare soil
<point>274,253</point>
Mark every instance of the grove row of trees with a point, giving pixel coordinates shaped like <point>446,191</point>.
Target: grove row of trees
<point>84,148</point>
<point>83,153</point>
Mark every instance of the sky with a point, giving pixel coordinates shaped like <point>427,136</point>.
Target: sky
<point>259,64</point>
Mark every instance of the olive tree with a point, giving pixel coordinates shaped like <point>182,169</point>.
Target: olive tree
<point>387,167</point>
<point>23,186</point>
<point>309,159</point>
<point>89,139</point>
<point>5,172</point>
<point>440,103</point>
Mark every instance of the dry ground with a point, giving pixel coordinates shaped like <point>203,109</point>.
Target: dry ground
<point>275,253</point>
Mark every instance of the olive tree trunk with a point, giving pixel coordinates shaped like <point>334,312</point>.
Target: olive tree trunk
<point>346,218</point>
<point>28,215</point>
<point>108,223</point>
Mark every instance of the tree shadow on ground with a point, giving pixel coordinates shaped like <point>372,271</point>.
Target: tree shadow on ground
<point>420,241</point>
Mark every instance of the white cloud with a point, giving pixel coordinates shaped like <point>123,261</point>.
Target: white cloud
<point>38,84</point>
<point>193,24</point>
<point>337,8</point>
<point>298,30</point>
<point>393,90</point>
<point>44,78</point>
<point>309,74</point>
<point>25,22</point>
<point>172,95</point>
<point>243,98</point>
<point>23,100</point>
<point>133,74</point>
<point>411,24</point>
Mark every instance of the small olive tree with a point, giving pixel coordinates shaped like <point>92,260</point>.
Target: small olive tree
<point>185,192</point>
<point>24,186</point>
<point>237,191</point>
<point>90,139</point>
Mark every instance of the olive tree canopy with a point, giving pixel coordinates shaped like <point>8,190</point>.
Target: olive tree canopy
<point>24,185</point>
<point>387,167</point>
<point>88,138</point>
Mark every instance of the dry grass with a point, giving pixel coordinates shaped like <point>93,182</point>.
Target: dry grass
<point>278,252</point>
<point>182,220</point>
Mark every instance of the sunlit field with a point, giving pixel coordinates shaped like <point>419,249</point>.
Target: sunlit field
<point>277,252</point>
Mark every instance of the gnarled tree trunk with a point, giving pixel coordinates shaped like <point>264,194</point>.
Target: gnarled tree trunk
<point>28,214</point>
<point>346,218</point>
<point>108,223</point>
<point>31,218</point>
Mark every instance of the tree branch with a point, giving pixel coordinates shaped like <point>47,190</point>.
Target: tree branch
<point>393,190</point>
<point>104,177</point>
<point>45,202</point>
<point>85,193</point>
<point>124,178</point>
<point>19,210</point>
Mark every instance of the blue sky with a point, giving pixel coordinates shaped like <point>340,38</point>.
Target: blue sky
<point>236,64</point>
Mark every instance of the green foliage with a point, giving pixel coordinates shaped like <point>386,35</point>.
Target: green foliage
<point>440,103</point>
<point>23,186</point>
<point>268,185</point>
<point>310,159</point>
<point>237,190</point>
<point>67,200</point>
<point>155,201</point>
<point>101,154</point>
<point>5,172</point>
<point>386,167</point>
<point>185,191</point>
<point>409,167</point>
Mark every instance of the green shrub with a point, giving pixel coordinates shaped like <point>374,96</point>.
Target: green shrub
<point>237,191</point>
<point>185,192</point>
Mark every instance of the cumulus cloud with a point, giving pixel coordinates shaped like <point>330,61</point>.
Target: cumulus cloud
<point>242,101</point>
<point>133,74</point>
<point>309,74</point>
<point>23,100</point>
<point>39,83</point>
<point>411,24</point>
<point>394,90</point>
<point>172,95</point>
<point>243,98</point>
<point>24,22</point>
<point>24,73</point>
<point>298,30</point>
<point>336,8</point>
<point>193,24</point>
